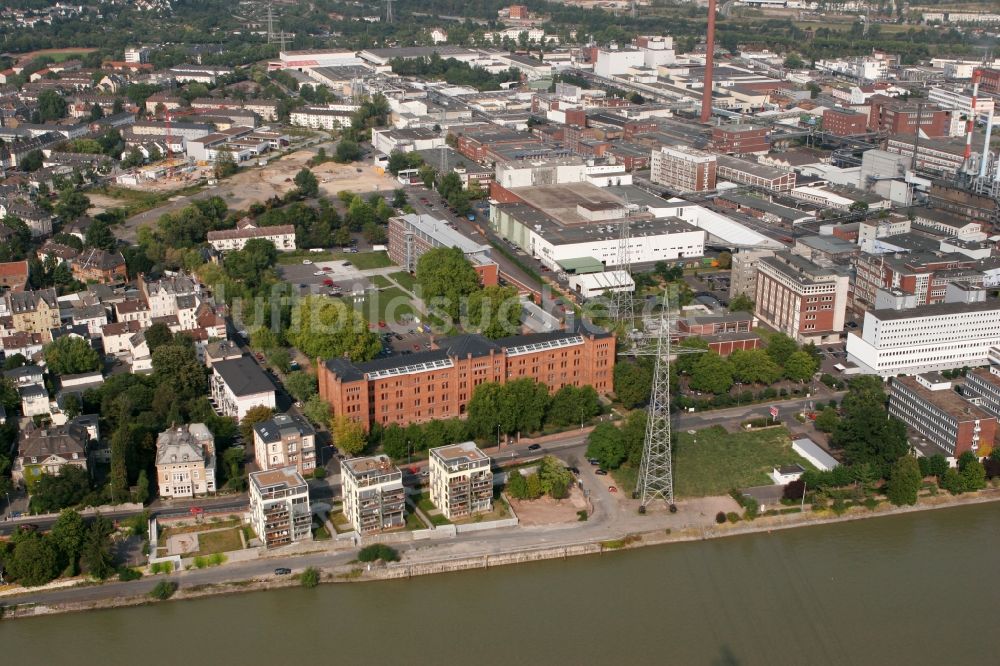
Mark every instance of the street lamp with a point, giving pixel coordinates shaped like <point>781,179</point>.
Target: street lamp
<point>409,452</point>
<point>498,437</point>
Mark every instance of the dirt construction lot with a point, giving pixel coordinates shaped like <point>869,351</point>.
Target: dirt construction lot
<point>547,511</point>
<point>258,184</point>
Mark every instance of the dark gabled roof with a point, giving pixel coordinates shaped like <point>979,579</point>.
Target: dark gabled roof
<point>462,346</point>
<point>345,369</point>
<point>243,376</point>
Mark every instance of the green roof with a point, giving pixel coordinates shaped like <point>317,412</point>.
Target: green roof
<point>579,265</point>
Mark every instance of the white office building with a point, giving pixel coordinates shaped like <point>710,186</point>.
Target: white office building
<point>942,336</point>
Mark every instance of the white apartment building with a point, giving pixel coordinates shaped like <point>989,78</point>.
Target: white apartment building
<point>927,338</point>
<point>612,62</point>
<point>682,168</point>
<point>239,385</point>
<point>374,496</point>
<point>285,440</point>
<point>163,295</point>
<point>960,100</point>
<point>318,117</point>
<point>185,461</point>
<point>279,507</point>
<point>137,54</point>
<point>281,236</point>
<point>461,480</point>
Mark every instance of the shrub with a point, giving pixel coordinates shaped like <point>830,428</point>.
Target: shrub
<point>319,473</point>
<point>310,577</point>
<point>581,515</point>
<point>720,517</point>
<point>215,559</point>
<point>839,507</point>
<point>200,562</point>
<point>161,567</point>
<point>128,573</point>
<point>794,490</point>
<point>733,517</point>
<point>163,590</point>
<point>378,551</point>
<point>751,508</point>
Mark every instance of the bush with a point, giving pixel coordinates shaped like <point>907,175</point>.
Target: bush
<point>319,473</point>
<point>750,508</point>
<point>310,577</point>
<point>127,573</point>
<point>161,567</point>
<point>794,490</point>
<point>163,590</point>
<point>733,517</point>
<point>582,515</point>
<point>378,551</point>
<point>720,517</point>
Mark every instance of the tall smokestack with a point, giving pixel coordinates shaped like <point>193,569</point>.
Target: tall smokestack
<point>970,124</point>
<point>706,95</point>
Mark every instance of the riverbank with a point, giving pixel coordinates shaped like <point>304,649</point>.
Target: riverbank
<point>440,558</point>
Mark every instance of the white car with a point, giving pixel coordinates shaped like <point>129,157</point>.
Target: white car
<point>319,273</point>
<point>306,262</point>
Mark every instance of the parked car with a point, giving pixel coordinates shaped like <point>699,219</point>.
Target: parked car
<point>600,472</point>
<point>612,489</point>
<point>307,262</point>
<point>594,461</point>
<point>534,447</point>
<point>282,571</point>
<point>328,282</point>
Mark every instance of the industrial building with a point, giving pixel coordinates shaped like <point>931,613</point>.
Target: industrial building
<point>799,298</point>
<point>411,235</point>
<point>438,383</point>
<point>683,169</point>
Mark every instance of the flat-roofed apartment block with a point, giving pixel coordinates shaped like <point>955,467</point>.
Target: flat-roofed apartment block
<point>928,404</point>
<point>374,496</point>
<point>682,168</point>
<point>801,299</point>
<point>461,480</point>
<point>285,440</point>
<point>279,507</point>
<point>410,236</point>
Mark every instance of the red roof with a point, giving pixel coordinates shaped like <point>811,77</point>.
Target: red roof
<point>14,269</point>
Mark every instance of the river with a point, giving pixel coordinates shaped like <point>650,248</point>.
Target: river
<point>910,589</point>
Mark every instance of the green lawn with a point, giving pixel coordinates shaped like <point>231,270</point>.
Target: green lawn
<point>380,281</point>
<point>713,461</point>
<point>388,304</point>
<point>222,541</point>
<point>297,256</point>
<point>366,260</point>
<point>405,280</point>
<point>139,201</point>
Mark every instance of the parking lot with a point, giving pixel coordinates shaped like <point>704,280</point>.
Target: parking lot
<point>326,277</point>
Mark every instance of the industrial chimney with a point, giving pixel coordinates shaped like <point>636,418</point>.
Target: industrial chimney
<point>706,95</point>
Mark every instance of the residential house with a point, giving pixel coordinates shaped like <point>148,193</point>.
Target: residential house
<point>461,480</point>
<point>96,265</point>
<point>185,461</point>
<point>48,450</point>
<point>34,311</point>
<point>239,385</point>
<point>285,440</point>
<point>374,496</point>
<point>279,507</point>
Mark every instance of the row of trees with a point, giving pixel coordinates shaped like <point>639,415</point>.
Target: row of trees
<point>32,558</point>
<point>524,406</point>
<point>551,478</point>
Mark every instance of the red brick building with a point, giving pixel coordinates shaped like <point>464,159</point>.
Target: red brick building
<point>96,265</point>
<point>842,122</point>
<point>740,140</point>
<point>14,275</point>
<point>897,116</point>
<point>438,384</point>
<point>723,333</point>
<point>928,404</point>
<point>410,236</point>
<point>519,12</point>
<point>989,81</point>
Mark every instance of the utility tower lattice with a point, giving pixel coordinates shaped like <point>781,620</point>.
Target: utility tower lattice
<point>622,308</point>
<point>656,477</point>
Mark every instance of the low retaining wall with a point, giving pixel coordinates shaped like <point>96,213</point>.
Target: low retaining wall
<point>486,525</point>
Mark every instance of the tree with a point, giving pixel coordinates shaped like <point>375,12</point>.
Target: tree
<point>741,303</point>
<point>904,481</point>
<point>301,385</point>
<point>348,151</point>
<point>96,112</point>
<point>35,561</point>
<point>157,335</point>
<point>533,488</point>
<point>32,161</point>
<point>633,381</point>
<point>232,463</point>
<point>517,485</point>
<point>868,435</point>
<point>225,164</point>
<point>485,415</point>
<point>310,577</point>
<point>524,403</point>
<point>71,355</point>
<point>973,475</point>
<point>793,61</point>
<point>252,263</point>
<point>348,435</point>
<point>96,556</point>
<point>68,533</point>
<point>553,475</point>
<point>142,488</point>
<point>495,311</point>
<point>254,416</point>
<point>324,327</point>
<point>317,410</point>
<point>122,452</point>
<point>754,366</point>
<point>394,442</point>
<point>176,365</point>
<point>446,277</point>
<point>800,366</point>
<point>712,373</point>
<point>51,106</point>
<point>937,465</point>
<point>306,183</point>
<point>606,444</point>
<point>685,362</point>
<point>280,358</point>
<point>780,347</point>
<point>99,235</point>
<point>827,420</point>
<point>71,204</point>
<point>725,260</point>
<point>573,405</point>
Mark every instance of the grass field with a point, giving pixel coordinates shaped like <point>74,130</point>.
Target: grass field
<point>297,256</point>
<point>134,202</point>
<point>713,461</point>
<point>222,541</point>
<point>380,281</point>
<point>387,305</point>
<point>405,280</point>
<point>365,260</point>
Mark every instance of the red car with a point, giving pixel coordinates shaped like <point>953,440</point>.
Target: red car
<point>381,324</point>
<point>328,282</point>
<point>416,347</point>
<point>612,489</point>
<point>260,357</point>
